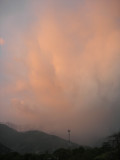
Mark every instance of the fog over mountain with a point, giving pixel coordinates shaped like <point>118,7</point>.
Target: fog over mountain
<point>59,66</point>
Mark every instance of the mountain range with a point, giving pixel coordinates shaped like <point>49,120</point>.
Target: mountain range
<point>31,141</point>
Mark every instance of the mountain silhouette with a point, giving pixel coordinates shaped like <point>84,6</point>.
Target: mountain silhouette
<point>31,141</point>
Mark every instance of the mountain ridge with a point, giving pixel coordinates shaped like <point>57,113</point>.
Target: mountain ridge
<point>33,141</point>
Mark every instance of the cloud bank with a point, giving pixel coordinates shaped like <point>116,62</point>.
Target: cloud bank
<point>60,67</point>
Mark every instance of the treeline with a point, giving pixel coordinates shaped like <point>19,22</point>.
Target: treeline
<point>110,150</point>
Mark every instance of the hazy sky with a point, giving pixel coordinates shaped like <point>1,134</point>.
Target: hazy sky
<point>60,66</point>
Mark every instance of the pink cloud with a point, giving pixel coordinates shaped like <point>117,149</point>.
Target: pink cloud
<point>64,69</point>
<point>1,41</point>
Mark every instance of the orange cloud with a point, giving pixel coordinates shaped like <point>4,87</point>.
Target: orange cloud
<point>68,69</point>
<point>1,41</point>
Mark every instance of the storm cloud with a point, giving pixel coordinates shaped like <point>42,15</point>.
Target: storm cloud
<point>59,66</point>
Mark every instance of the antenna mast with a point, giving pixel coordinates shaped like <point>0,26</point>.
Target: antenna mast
<point>69,131</point>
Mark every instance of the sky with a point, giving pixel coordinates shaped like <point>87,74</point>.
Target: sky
<point>60,66</point>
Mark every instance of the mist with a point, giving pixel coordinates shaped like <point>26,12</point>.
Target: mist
<point>59,66</point>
